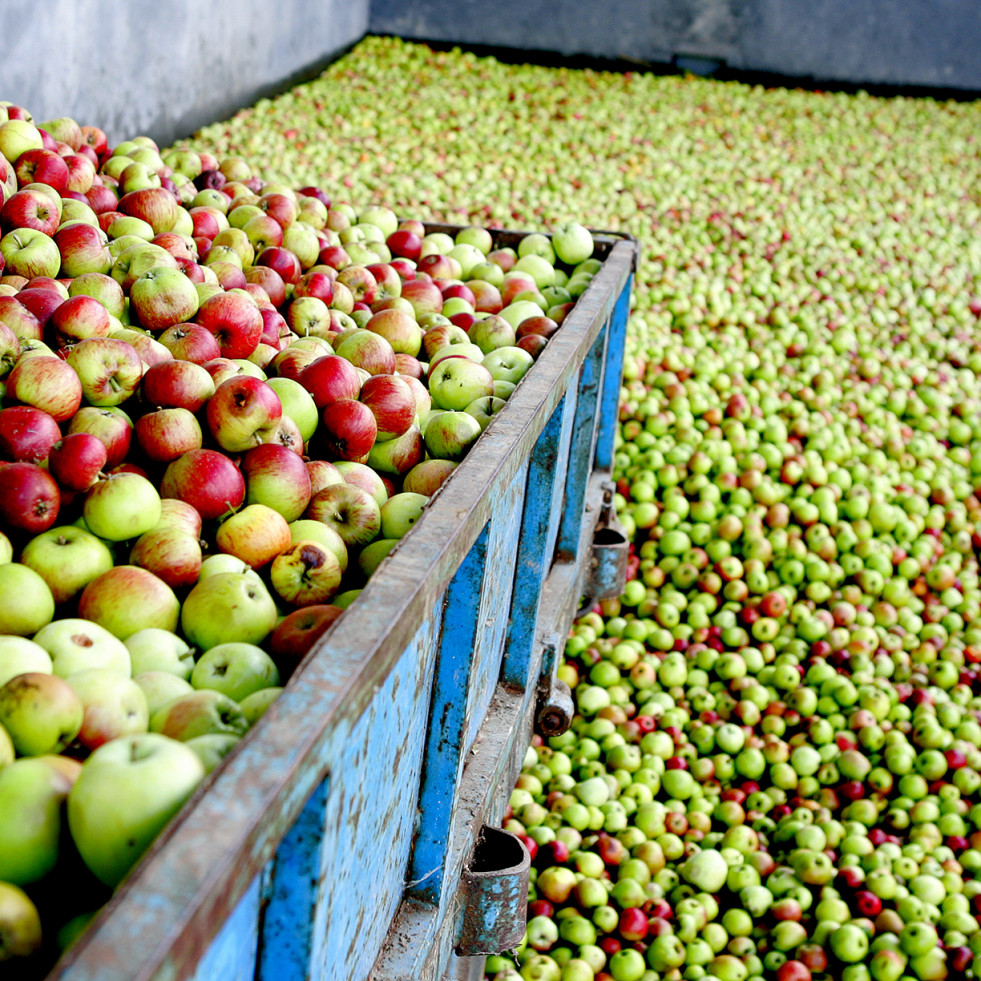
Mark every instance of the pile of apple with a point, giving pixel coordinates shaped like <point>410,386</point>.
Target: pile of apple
<point>775,769</point>
<point>224,402</point>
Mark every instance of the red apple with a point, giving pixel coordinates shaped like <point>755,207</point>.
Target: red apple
<point>328,379</point>
<point>392,403</point>
<point>206,479</point>
<point>235,320</point>
<point>29,497</point>
<point>43,167</point>
<point>283,261</point>
<point>347,431</point>
<point>30,209</point>
<point>190,342</point>
<point>177,384</point>
<point>297,633</point>
<point>47,383</point>
<point>77,460</point>
<point>277,477</point>
<point>27,434</point>
<point>110,425</point>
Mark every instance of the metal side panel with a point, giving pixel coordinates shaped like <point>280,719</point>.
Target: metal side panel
<point>497,596</point>
<point>232,954</point>
<point>370,816</point>
<point>295,888</point>
<point>609,401</point>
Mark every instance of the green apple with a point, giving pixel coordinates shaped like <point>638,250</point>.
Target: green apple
<point>67,558</point>
<point>310,529</point>
<point>20,924</point>
<point>228,606</point>
<point>32,792</point>
<point>254,706</point>
<point>572,242</point>
<point>41,713</point>
<point>400,512</point>
<point>121,507</point>
<point>223,562</point>
<point>114,706</point>
<point>6,548</point>
<point>199,712</point>
<point>213,747</point>
<point>298,404</point>
<point>155,649</point>
<point>19,655</point>
<point>507,364</point>
<point>75,644</point>
<point>235,669</point>
<point>26,602</point>
<point>127,791</point>
<point>161,687</point>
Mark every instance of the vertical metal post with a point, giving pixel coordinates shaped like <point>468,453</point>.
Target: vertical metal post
<point>532,563</point>
<point>444,740</point>
<point>286,945</point>
<point>612,379</point>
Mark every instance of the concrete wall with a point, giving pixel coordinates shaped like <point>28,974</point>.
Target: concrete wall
<point>931,43</point>
<point>164,67</point>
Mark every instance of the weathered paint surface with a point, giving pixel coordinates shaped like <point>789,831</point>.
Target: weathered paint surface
<point>495,606</point>
<point>370,816</point>
<point>322,805</point>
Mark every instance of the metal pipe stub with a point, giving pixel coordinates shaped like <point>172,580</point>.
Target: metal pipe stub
<point>495,895</point>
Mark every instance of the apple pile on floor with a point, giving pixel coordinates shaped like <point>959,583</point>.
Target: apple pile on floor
<point>775,769</point>
<point>224,403</point>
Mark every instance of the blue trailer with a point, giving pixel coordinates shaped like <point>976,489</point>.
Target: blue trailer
<point>355,833</point>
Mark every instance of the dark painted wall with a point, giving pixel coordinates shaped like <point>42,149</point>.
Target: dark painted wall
<point>932,43</point>
<point>164,67</point>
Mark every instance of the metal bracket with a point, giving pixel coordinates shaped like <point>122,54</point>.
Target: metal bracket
<point>555,709</point>
<point>607,572</point>
<point>494,894</point>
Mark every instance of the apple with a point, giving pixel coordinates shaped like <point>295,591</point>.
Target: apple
<point>317,282</point>
<point>278,478</point>
<point>67,558</point>
<point>177,384</point>
<point>350,510</point>
<point>29,497</point>
<point>283,261</point>
<point>78,318</point>
<point>23,319</point>
<point>508,364</point>
<point>225,607</point>
<point>492,332</point>
<point>572,242</point>
<point>392,402</point>
<point>256,534</point>
<point>484,409</point>
<point>455,382</point>
<point>207,480</point>
<point>149,349</point>
<point>213,747</point>
<point>368,350</point>
<point>127,791</point>
<point>155,205</point>
<point>306,573</point>
<point>166,434</point>
<point>428,476</point>
<point>170,553</point>
<point>400,512</point>
<point>19,655</point>
<point>47,383</point>
<point>10,345</point>
<point>449,435</point>
<point>200,712</point>
<point>84,249</point>
<point>236,669</point>
<point>191,342</point>
<point>162,297</point>
<point>347,430</point>
<point>127,598</point>
<point>308,316</point>
<point>74,644</point>
<point>398,455</point>
<point>18,135</point>
<point>32,795</point>
<point>121,506</point>
<point>234,319</point>
<point>298,404</point>
<point>114,706</point>
<point>243,412</point>
<point>27,434</point>
<point>330,378</point>
<point>161,687</point>
<point>109,369</point>
<point>30,209</point>
<point>110,425</point>
<point>443,335</point>
<point>40,712</point>
<point>20,924</point>
<point>297,633</point>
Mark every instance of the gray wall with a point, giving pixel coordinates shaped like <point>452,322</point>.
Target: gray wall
<point>933,43</point>
<point>167,67</point>
<point>164,67</point>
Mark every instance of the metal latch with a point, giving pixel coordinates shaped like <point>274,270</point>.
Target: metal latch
<point>607,573</point>
<point>495,895</point>
<point>555,709</point>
